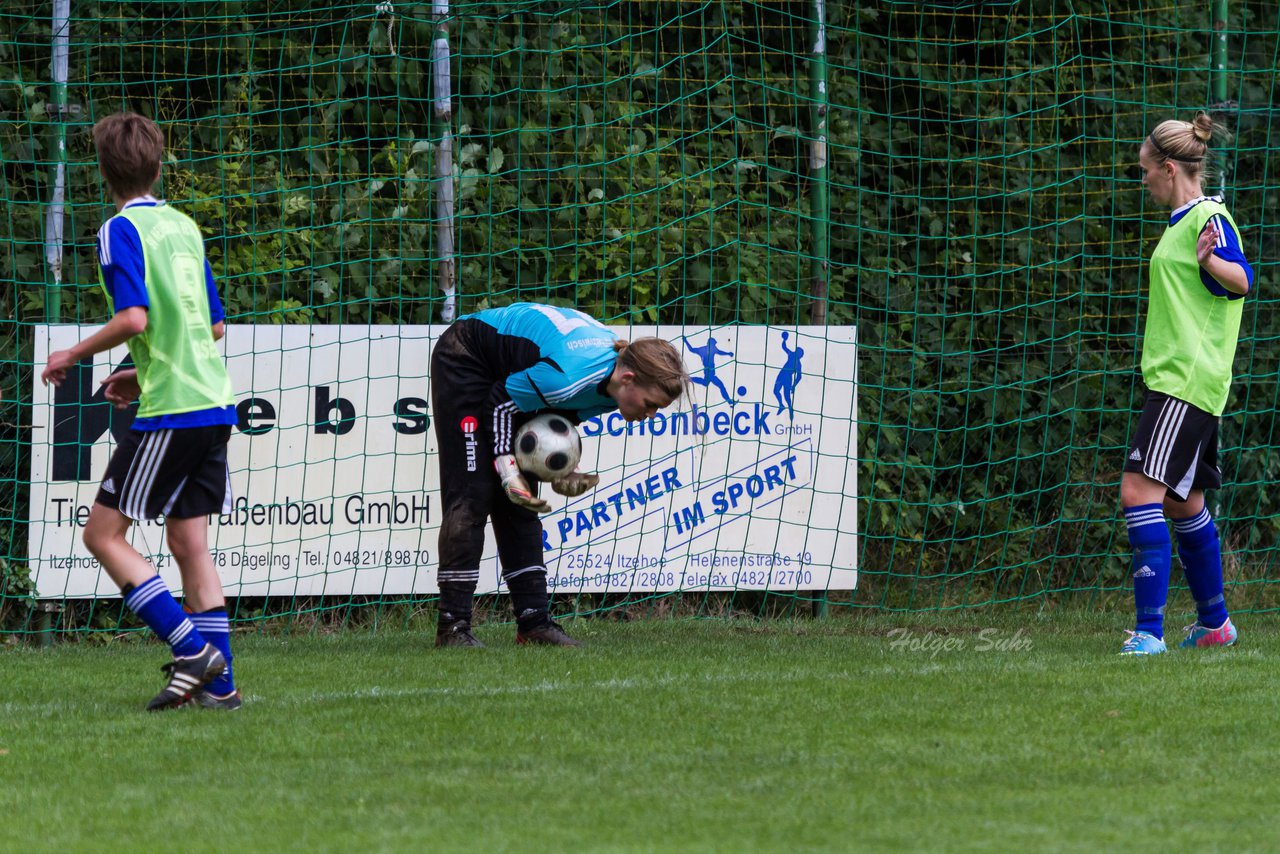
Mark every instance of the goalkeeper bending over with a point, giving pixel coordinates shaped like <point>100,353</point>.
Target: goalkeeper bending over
<point>490,372</point>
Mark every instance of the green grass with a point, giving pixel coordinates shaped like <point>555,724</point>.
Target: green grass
<point>683,735</point>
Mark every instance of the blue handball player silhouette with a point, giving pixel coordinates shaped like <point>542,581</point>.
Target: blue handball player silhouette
<point>788,378</point>
<point>707,353</point>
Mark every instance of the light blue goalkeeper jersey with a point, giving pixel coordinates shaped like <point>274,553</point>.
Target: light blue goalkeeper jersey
<point>553,358</point>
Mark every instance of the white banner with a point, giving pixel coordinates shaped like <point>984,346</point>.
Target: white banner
<point>750,485</point>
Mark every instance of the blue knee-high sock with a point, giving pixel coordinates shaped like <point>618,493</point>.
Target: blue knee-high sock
<point>215,627</point>
<point>1202,560</point>
<point>155,605</point>
<point>1152,553</point>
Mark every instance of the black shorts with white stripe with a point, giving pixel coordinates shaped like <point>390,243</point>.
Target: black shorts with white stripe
<point>180,473</point>
<point>1176,444</point>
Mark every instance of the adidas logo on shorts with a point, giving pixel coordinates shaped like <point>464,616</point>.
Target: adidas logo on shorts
<point>109,485</point>
<point>1136,455</point>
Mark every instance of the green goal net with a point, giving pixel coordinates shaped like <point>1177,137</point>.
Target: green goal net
<point>938,201</point>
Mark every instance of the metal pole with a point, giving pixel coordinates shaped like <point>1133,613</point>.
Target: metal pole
<point>819,205</point>
<point>1218,76</point>
<point>442,109</point>
<point>54,215</point>
<point>58,112</point>
<point>47,610</point>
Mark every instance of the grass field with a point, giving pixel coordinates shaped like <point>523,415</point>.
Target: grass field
<point>944,733</point>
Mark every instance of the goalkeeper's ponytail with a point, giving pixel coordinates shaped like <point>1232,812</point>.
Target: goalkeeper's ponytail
<point>655,363</point>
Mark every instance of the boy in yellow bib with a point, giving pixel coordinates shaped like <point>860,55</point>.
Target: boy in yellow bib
<point>173,462</point>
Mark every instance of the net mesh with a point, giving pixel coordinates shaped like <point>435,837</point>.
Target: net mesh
<point>977,216</point>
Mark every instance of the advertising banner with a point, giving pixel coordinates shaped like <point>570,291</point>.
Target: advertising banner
<point>749,484</point>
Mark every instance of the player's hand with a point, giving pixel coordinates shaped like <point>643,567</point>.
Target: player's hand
<point>575,483</point>
<point>55,370</point>
<point>516,487</point>
<point>1205,245</point>
<point>121,388</point>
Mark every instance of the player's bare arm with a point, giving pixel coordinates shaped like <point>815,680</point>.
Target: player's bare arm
<point>119,329</point>
<point>121,388</point>
<point>1227,273</point>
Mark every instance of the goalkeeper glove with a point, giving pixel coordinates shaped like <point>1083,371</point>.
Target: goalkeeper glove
<point>516,487</point>
<point>575,483</point>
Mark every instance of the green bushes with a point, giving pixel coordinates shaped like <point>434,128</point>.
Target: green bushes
<point>649,161</point>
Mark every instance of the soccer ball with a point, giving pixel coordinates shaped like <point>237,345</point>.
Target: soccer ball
<point>548,447</point>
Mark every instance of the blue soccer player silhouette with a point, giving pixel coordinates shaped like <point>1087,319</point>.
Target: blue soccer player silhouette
<point>707,353</point>
<point>788,378</point>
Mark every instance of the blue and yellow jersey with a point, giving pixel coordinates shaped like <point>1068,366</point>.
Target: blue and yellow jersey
<point>1193,323</point>
<point>183,379</point>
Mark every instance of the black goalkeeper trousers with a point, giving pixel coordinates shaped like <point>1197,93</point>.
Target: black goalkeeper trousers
<point>470,491</point>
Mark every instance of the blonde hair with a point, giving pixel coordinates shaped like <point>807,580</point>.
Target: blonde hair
<point>656,363</point>
<point>1187,143</point>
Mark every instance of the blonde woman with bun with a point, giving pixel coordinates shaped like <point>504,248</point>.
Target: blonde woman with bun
<point>1199,278</point>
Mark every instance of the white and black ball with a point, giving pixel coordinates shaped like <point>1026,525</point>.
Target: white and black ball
<point>548,447</point>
